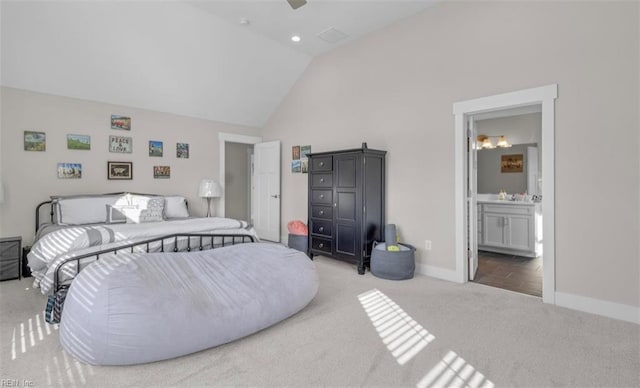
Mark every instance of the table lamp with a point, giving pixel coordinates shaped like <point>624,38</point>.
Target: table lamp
<point>209,189</point>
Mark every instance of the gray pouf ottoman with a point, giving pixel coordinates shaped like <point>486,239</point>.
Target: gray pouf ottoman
<point>392,265</point>
<point>298,242</point>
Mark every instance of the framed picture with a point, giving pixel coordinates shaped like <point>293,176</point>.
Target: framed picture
<point>295,165</point>
<point>120,144</point>
<point>120,122</point>
<point>304,165</point>
<point>162,172</point>
<point>512,163</point>
<point>35,141</point>
<point>305,150</point>
<point>182,150</point>
<point>120,170</point>
<point>155,148</point>
<point>69,170</point>
<point>78,142</point>
<point>295,152</point>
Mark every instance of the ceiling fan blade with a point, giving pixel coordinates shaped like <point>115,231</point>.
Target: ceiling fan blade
<point>295,4</point>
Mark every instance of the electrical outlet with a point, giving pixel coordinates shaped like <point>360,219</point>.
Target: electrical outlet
<point>427,245</point>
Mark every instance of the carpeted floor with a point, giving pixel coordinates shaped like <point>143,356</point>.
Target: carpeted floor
<point>427,332</point>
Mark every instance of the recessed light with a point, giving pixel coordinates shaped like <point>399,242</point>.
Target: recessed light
<point>296,38</point>
<point>244,21</point>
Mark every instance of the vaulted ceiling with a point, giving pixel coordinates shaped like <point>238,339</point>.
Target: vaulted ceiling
<point>192,58</point>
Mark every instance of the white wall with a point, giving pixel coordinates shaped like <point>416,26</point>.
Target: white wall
<point>31,177</point>
<point>165,56</point>
<point>395,90</point>
<point>521,129</point>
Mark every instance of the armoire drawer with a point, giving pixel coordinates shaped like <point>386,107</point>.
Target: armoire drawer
<point>322,163</point>
<point>321,180</point>
<point>322,196</point>
<point>324,212</point>
<point>321,244</point>
<point>321,227</point>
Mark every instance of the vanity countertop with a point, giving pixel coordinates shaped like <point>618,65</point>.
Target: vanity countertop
<point>507,202</point>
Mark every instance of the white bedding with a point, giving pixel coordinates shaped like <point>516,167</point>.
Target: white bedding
<point>68,242</point>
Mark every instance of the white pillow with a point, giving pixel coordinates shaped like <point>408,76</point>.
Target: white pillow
<point>82,210</point>
<point>115,214</point>
<point>175,206</point>
<point>145,209</point>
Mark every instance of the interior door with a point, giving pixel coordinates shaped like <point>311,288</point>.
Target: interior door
<point>472,206</point>
<point>266,191</point>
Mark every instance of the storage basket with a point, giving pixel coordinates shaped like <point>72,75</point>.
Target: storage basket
<point>298,242</point>
<point>393,265</point>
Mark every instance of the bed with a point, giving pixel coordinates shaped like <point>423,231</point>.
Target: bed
<point>131,292</point>
<point>83,224</point>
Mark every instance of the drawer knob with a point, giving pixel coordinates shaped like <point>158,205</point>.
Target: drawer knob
<point>321,164</point>
<point>321,180</point>
<point>321,195</point>
<point>321,245</point>
<point>321,228</point>
<point>321,212</point>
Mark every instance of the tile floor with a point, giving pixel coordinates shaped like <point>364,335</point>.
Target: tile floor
<point>515,273</point>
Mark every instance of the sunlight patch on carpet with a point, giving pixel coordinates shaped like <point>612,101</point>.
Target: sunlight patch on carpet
<point>403,336</point>
<point>454,371</point>
<point>28,334</point>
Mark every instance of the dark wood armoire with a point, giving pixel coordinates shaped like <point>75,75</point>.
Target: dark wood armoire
<point>346,204</point>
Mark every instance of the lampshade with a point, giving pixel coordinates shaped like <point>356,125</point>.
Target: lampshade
<point>502,142</point>
<point>484,142</point>
<point>209,189</point>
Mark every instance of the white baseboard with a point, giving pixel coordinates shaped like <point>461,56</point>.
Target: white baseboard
<point>600,307</point>
<point>438,272</point>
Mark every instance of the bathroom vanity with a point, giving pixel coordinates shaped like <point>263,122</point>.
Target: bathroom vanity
<point>511,227</point>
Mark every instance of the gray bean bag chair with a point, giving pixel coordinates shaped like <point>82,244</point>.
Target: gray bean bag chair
<point>137,308</point>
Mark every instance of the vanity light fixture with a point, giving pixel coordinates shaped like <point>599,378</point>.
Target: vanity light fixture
<point>484,142</point>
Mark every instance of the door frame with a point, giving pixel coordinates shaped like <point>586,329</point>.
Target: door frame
<point>545,96</point>
<point>223,138</point>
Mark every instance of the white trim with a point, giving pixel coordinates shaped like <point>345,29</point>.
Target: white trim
<point>222,139</point>
<point>600,307</point>
<point>544,95</point>
<point>438,272</point>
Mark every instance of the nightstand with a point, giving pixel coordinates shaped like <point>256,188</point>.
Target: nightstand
<point>10,258</point>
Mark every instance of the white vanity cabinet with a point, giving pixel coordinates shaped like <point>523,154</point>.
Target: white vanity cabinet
<point>510,227</point>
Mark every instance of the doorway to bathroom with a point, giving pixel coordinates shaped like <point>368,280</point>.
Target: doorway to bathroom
<point>500,228</point>
<point>505,147</point>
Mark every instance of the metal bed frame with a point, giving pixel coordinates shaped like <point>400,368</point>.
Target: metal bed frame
<point>55,301</point>
<point>168,243</point>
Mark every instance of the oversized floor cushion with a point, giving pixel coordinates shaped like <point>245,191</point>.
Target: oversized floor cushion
<point>138,308</point>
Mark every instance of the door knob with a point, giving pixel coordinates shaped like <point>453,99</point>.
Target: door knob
<point>275,195</point>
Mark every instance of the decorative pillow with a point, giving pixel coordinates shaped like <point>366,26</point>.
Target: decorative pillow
<point>148,210</point>
<point>82,210</point>
<point>175,206</point>
<point>115,214</point>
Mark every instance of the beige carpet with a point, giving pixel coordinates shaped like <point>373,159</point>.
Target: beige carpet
<point>427,332</point>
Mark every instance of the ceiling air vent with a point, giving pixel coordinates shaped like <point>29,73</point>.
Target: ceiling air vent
<point>332,35</point>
